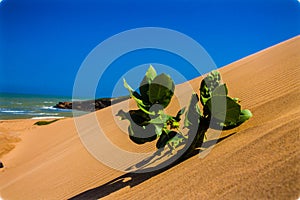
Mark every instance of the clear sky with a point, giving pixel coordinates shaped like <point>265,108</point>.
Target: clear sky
<point>44,42</point>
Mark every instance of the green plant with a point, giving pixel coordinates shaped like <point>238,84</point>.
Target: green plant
<point>219,110</point>
<point>41,123</point>
<point>150,121</point>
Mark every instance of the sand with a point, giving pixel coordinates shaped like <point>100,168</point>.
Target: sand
<point>258,160</point>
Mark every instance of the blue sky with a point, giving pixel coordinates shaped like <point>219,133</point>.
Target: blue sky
<point>44,42</point>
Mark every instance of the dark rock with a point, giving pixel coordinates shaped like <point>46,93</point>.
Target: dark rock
<point>64,105</point>
<point>90,105</point>
<point>1,165</point>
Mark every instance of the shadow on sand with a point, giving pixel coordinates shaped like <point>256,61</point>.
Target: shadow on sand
<point>133,178</point>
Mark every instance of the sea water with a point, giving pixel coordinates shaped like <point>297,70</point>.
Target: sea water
<point>24,106</point>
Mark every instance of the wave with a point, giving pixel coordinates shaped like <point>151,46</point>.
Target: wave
<point>48,117</point>
<point>48,102</point>
<point>17,112</point>
<point>49,108</point>
<point>30,106</point>
<point>13,111</point>
<point>57,109</point>
<point>39,114</point>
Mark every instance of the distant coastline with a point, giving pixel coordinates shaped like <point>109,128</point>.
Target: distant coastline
<point>90,105</point>
<point>28,106</point>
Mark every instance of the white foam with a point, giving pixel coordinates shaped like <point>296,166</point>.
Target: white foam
<point>49,108</point>
<point>39,114</point>
<point>48,117</point>
<point>13,111</point>
<point>57,109</point>
<point>48,102</point>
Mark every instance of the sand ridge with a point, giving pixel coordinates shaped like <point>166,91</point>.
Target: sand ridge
<point>258,160</point>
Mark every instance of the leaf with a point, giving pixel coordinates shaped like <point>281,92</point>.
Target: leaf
<point>223,109</point>
<point>244,116</point>
<point>41,123</point>
<point>151,73</point>
<point>161,90</point>
<point>162,141</point>
<point>140,131</point>
<point>142,134</point>
<point>174,125</point>
<point>137,98</point>
<point>160,119</point>
<point>144,85</point>
<point>220,90</point>
<point>139,117</point>
<point>176,141</point>
<point>158,129</point>
<point>216,75</point>
<point>236,100</point>
<point>204,92</point>
<point>178,115</point>
<point>192,116</point>
<point>134,116</point>
<point>133,94</point>
<point>133,138</point>
<point>164,138</point>
<point>208,84</point>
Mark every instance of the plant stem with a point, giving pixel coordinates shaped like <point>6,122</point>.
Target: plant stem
<point>198,139</point>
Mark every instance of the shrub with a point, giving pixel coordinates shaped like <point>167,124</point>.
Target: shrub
<point>41,123</point>
<point>150,122</point>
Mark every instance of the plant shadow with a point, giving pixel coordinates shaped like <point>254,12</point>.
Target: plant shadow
<point>132,179</point>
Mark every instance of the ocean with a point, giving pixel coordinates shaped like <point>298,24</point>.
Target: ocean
<point>25,106</point>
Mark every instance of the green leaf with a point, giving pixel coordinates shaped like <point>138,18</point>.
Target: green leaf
<point>178,115</point>
<point>204,92</point>
<point>158,129</point>
<point>236,100</point>
<point>144,86</point>
<point>192,116</point>
<point>139,117</point>
<point>162,141</point>
<point>161,90</point>
<point>176,141</point>
<point>151,73</point>
<point>42,123</point>
<point>133,94</point>
<point>140,131</point>
<point>137,99</point>
<point>220,90</point>
<point>174,125</point>
<point>208,84</point>
<point>160,119</point>
<point>164,138</point>
<point>142,134</point>
<point>244,116</point>
<point>223,109</point>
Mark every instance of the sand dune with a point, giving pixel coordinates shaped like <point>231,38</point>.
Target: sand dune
<point>258,160</point>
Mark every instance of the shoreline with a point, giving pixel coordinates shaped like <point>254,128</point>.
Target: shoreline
<point>16,106</point>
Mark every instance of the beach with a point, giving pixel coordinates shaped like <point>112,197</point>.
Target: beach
<point>258,160</point>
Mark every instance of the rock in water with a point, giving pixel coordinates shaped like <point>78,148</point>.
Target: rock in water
<point>90,105</point>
